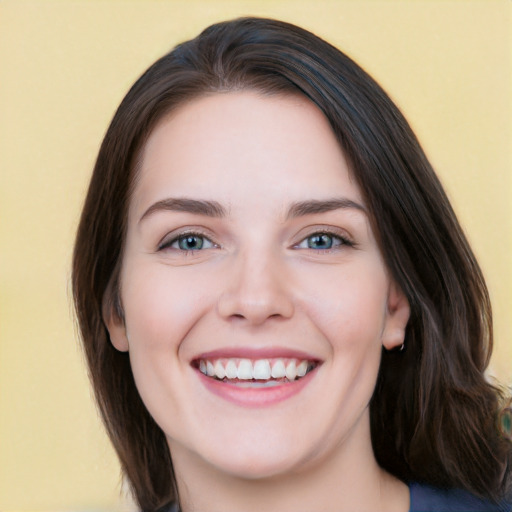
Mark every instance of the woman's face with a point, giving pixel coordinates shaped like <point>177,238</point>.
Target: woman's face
<point>256,300</point>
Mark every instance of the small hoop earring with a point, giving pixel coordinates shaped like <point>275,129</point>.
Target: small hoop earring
<point>401,348</point>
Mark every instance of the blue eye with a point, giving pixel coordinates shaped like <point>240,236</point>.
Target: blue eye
<point>323,242</point>
<point>188,242</point>
<point>320,241</point>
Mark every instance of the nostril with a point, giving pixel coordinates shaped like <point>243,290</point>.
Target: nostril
<point>254,305</point>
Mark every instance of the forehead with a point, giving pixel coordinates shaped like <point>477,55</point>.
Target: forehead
<point>279,146</point>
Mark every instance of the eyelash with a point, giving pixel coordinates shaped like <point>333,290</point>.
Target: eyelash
<point>334,236</point>
<point>167,244</point>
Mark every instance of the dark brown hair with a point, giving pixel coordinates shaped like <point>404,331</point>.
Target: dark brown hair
<point>433,414</point>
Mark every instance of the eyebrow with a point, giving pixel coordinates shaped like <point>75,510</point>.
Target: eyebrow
<point>200,207</point>
<point>318,206</point>
<point>215,209</point>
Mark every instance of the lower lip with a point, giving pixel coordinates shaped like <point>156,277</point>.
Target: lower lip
<point>255,397</point>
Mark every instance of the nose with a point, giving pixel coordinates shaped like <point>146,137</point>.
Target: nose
<point>256,290</point>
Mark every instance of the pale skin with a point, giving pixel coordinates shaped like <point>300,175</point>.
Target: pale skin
<point>247,236</point>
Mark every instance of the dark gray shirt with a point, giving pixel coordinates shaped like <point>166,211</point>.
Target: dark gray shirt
<point>430,499</point>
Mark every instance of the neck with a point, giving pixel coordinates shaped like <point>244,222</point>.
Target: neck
<point>344,480</point>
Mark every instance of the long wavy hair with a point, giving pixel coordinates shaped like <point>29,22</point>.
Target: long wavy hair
<point>433,413</point>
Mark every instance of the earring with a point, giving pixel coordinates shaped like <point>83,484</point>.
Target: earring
<point>401,348</point>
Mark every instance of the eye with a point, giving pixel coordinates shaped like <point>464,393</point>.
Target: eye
<point>323,241</point>
<point>320,241</point>
<point>188,242</point>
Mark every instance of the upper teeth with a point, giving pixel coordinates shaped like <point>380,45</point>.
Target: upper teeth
<point>259,369</point>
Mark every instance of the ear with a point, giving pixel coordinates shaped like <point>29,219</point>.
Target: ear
<point>398,313</point>
<point>113,318</point>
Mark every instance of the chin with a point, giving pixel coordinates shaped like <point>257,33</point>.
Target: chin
<point>249,457</point>
<point>262,468</point>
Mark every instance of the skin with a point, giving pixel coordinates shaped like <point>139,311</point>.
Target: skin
<point>258,282</point>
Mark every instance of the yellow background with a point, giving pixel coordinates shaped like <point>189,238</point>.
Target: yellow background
<point>64,67</point>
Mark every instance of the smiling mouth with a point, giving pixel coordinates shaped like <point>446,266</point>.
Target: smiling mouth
<point>255,373</point>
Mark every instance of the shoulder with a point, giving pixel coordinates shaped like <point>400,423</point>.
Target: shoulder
<point>425,498</point>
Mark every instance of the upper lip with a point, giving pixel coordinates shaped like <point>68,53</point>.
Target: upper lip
<point>256,353</point>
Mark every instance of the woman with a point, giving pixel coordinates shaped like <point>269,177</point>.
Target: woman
<point>277,304</point>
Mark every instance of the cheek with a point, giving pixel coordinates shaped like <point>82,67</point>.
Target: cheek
<point>161,305</point>
<point>350,307</point>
